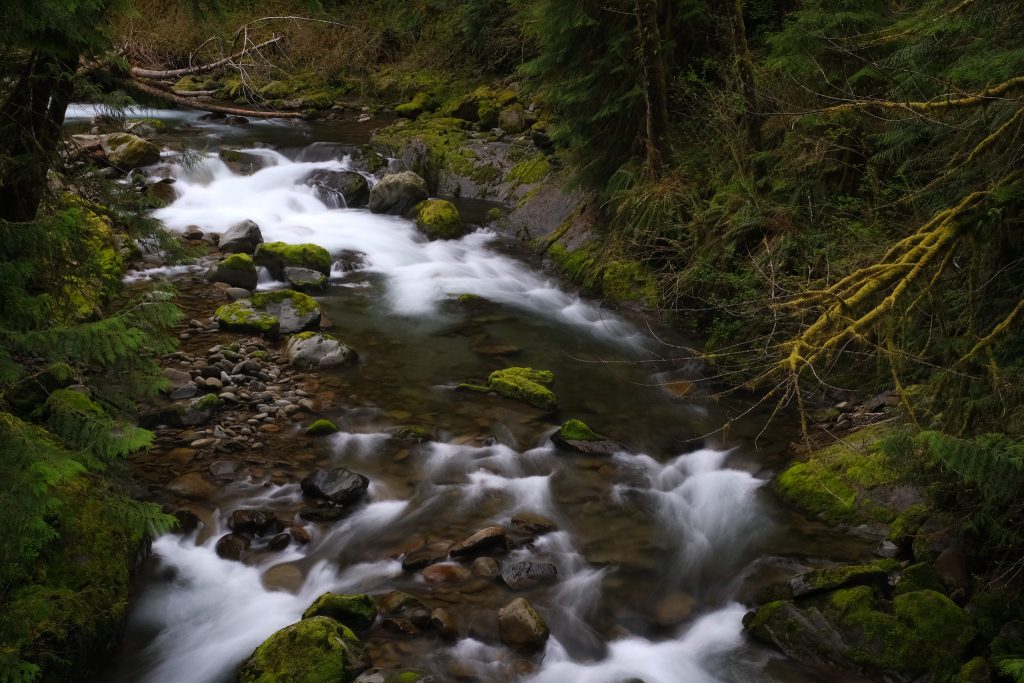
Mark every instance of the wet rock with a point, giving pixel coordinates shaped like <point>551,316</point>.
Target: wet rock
<point>395,676</point>
<point>236,293</point>
<point>304,279</point>
<point>576,436</point>
<point>286,578</point>
<point>523,575</point>
<point>276,256</point>
<point>241,163</point>
<point>358,612</point>
<point>951,568</point>
<point>533,524</point>
<point>444,623</point>
<point>280,542</point>
<point>673,609</point>
<point>486,567</point>
<point>350,260</point>
<point>512,119</point>
<point>126,151</point>
<point>237,270</point>
<point>439,219</point>
<point>194,413</point>
<point>255,522</point>
<point>317,351</point>
<point>427,554</point>
<point>241,238</point>
<point>397,602</point>
<point>338,485</point>
<point>315,649</point>
<point>445,572</point>
<point>281,311</point>
<point>480,542</point>
<point>400,626</point>
<point>398,193</point>
<point>191,485</point>
<point>340,189</point>
<point>188,390</point>
<point>323,513</point>
<point>188,521</point>
<point>177,378</point>
<point>300,535</point>
<point>830,578</point>
<point>520,627</point>
<point>231,546</point>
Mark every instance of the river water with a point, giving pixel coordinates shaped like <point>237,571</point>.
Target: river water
<point>655,547</point>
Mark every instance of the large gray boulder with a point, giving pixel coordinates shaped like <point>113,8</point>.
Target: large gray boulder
<point>317,351</point>
<point>398,193</point>
<point>237,270</point>
<point>270,313</point>
<point>241,238</point>
<point>340,189</point>
<point>241,163</point>
<point>339,485</point>
<point>520,626</point>
<point>127,151</point>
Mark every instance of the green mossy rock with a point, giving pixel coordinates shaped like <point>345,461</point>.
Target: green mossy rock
<point>237,270</point>
<point>240,316</point>
<point>577,430</point>
<point>275,256</point>
<point>315,650</point>
<point>576,436</point>
<point>439,219</point>
<point>830,578</point>
<point>420,103</point>
<point>974,671</point>
<point>530,171</point>
<point>127,151</point>
<point>916,577</point>
<point>321,428</point>
<point>629,281</point>
<point>838,483</point>
<point>358,612</point>
<point>524,384</point>
<point>281,311</point>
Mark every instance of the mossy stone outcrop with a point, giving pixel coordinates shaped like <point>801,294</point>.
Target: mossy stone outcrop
<point>358,612</point>
<point>276,256</point>
<point>318,351</point>
<point>439,219</point>
<point>304,279</point>
<point>521,384</point>
<point>321,427</point>
<point>128,152</point>
<point>271,314</point>
<point>237,270</point>
<point>831,578</point>
<point>576,436</point>
<point>314,650</point>
<point>420,103</point>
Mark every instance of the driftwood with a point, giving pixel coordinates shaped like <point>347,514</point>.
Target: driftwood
<point>139,72</point>
<point>193,103</point>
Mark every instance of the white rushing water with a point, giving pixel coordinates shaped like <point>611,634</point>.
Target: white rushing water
<point>420,274</point>
<point>210,613</point>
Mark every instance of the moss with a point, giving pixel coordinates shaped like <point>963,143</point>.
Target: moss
<point>420,103</point>
<point>208,402</point>
<point>530,171</point>
<point>494,214</point>
<point>943,630</point>
<point>629,281</point>
<point>240,316</point>
<point>444,140</point>
<point>577,430</point>
<point>829,578</point>
<point>278,89</point>
<point>974,671</point>
<point>155,124</point>
<point>876,640</point>
<point>439,219</point>
<point>415,433</point>
<point>354,611</point>
<point>905,526</point>
<point>277,255</point>
<point>407,677</point>
<point>302,336</point>
<point>302,303</point>
<point>835,482</point>
<point>315,650</point>
<point>920,576</point>
<point>525,384</point>
<point>374,160</point>
<point>192,83</point>
<point>321,428</point>
<point>579,265</point>
<point>239,262</point>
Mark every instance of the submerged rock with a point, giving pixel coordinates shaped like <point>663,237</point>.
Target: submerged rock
<point>321,428</point>
<point>398,193</point>
<point>317,351</point>
<point>312,650</point>
<point>575,435</point>
<point>304,279</point>
<point>522,384</point>
<point>439,219</point>
<point>339,485</point>
<point>276,256</point>
<point>480,542</point>
<point>523,575</point>
<point>281,311</point>
<point>520,626</point>
<point>237,270</point>
<point>241,238</point>
<point>358,612</point>
<point>241,163</point>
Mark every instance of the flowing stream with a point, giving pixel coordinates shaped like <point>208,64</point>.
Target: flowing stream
<point>655,547</point>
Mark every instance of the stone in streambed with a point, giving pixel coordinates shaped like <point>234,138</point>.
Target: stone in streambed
<point>253,522</point>
<point>523,575</point>
<point>522,384</point>
<point>241,238</point>
<point>358,612</point>
<point>276,256</point>
<point>439,219</point>
<point>480,542</point>
<point>576,436</point>
<point>395,676</point>
<point>237,270</point>
<point>270,313</point>
<point>313,650</point>
<point>339,485</point>
<point>305,279</point>
<point>321,428</point>
<point>398,193</point>
<point>520,627</point>
<point>444,623</point>
<point>533,524</point>
<point>191,485</point>
<point>231,546</point>
<point>830,578</point>
<point>241,163</point>
<point>126,151</point>
<point>316,351</point>
<point>340,188</point>
<point>286,578</point>
<point>426,554</point>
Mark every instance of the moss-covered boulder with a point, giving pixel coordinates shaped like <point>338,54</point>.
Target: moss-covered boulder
<point>576,436</point>
<point>831,578</point>
<point>127,151</point>
<point>522,384</point>
<point>240,162</point>
<point>398,193</point>
<point>321,427</point>
<point>395,676</point>
<point>315,650</point>
<point>358,612</point>
<point>512,119</point>
<point>439,219</point>
<point>318,351</point>
<point>276,256</point>
<point>270,313</point>
<point>420,103</point>
<point>237,270</point>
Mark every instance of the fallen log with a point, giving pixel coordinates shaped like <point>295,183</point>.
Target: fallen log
<point>148,89</point>
<point>139,72</point>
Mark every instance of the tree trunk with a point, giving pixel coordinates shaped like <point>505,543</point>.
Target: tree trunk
<point>184,101</point>
<point>657,146</point>
<point>30,129</point>
<point>744,70</point>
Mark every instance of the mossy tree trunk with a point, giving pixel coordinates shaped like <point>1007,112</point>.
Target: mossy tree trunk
<point>657,145</point>
<point>31,119</point>
<point>744,70</point>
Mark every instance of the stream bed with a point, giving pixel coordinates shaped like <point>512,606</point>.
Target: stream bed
<point>656,548</point>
